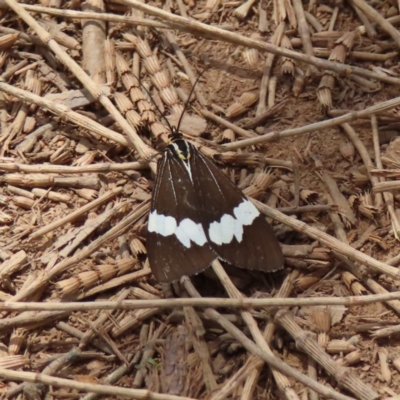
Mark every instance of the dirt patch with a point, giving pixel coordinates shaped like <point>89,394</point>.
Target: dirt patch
<point>77,176</point>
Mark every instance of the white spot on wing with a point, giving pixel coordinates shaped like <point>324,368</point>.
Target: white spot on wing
<point>222,232</point>
<point>161,224</point>
<point>152,226</point>
<point>186,232</point>
<point>246,212</point>
<point>190,231</point>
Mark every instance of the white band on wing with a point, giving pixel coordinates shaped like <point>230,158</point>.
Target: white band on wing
<point>222,232</point>
<point>185,232</point>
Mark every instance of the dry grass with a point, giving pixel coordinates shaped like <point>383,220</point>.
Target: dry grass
<point>311,140</point>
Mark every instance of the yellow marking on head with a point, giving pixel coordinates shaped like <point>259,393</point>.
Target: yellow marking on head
<point>182,153</point>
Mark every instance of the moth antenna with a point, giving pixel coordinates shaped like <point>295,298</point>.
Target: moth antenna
<point>188,100</point>
<point>154,103</point>
<point>184,108</point>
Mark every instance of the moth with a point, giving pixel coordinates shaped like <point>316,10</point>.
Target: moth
<point>197,215</point>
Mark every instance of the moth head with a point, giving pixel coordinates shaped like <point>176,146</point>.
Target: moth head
<point>174,136</point>
<point>179,146</point>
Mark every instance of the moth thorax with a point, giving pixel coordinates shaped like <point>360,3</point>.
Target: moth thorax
<point>181,149</point>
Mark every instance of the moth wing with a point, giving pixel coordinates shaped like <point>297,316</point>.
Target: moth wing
<point>235,229</point>
<point>176,245</point>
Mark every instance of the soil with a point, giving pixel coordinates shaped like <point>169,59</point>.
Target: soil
<point>90,256</point>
